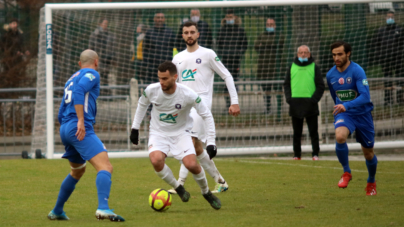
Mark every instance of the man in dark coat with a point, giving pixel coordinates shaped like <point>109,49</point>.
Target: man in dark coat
<point>389,43</point>
<point>157,47</point>
<point>13,55</point>
<point>304,87</point>
<point>205,34</point>
<point>232,44</point>
<point>269,46</point>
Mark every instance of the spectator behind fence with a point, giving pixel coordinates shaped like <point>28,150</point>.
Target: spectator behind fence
<point>102,41</point>
<point>304,87</point>
<point>157,47</point>
<point>232,44</point>
<point>269,46</point>
<point>138,52</point>
<point>389,43</point>
<point>205,34</point>
<point>13,59</point>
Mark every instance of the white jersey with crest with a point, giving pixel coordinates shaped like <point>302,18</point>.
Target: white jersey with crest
<point>170,115</point>
<point>197,71</point>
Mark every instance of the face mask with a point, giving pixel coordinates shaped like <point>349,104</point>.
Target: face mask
<point>195,19</point>
<point>229,21</point>
<point>390,21</point>
<point>303,59</point>
<point>270,29</point>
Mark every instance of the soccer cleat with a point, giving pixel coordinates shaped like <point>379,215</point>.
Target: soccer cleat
<point>371,189</point>
<point>108,214</point>
<point>296,158</point>
<point>213,200</point>
<point>184,195</point>
<point>172,191</point>
<point>62,217</point>
<point>315,158</point>
<point>345,178</point>
<point>221,187</point>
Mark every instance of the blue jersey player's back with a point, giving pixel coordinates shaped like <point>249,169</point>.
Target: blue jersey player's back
<point>350,88</point>
<point>82,88</point>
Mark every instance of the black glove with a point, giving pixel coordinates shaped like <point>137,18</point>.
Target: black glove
<point>212,150</point>
<point>134,136</point>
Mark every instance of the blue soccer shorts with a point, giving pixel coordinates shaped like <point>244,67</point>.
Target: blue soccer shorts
<point>361,124</point>
<point>80,151</point>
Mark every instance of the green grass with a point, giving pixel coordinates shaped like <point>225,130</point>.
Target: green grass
<point>262,193</point>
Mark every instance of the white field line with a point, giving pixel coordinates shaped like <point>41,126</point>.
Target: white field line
<point>300,165</point>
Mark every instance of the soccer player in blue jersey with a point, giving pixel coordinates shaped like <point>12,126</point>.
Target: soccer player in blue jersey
<point>352,112</point>
<point>76,117</point>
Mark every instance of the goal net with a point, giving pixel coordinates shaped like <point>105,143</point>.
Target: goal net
<point>256,40</point>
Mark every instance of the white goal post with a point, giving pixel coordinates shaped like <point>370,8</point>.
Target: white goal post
<point>49,129</point>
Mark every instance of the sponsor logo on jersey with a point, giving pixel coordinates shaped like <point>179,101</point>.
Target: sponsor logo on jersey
<point>144,94</point>
<point>339,121</point>
<point>90,76</point>
<point>74,75</point>
<point>198,100</point>
<point>178,106</point>
<point>168,118</point>
<point>349,80</point>
<point>341,81</point>
<point>188,75</point>
<point>151,146</point>
<point>217,58</point>
<point>365,82</point>
<point>198,61</point>
<point>346,95</point>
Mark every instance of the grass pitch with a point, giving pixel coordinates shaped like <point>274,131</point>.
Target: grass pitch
<point>263,192</point>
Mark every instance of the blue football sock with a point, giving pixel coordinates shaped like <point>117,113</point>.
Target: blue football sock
<point>103,182</point>
<point>342,153</point>
<point>372,166</point>
<point>66,190</point>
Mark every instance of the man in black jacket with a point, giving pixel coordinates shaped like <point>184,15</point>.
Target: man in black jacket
<point>304,87</point>
<point>389,43</point>
<point>157,47</point>
<point>232,44</point>
<point>205,34</point>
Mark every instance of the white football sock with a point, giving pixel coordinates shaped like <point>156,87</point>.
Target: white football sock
<point>183,174</point>
<point>167,175</point>
<point>200,179</point>
<point>210,167</point>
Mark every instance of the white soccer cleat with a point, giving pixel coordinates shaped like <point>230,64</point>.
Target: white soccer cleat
<point>108,214</point>
<point>221,187</point>
<point>172,191</point>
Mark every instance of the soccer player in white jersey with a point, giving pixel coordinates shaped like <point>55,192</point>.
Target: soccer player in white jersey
<point>170,129</point>
<point>196,67</point>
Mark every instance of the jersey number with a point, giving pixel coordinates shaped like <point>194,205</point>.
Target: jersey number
<point>68,93</point>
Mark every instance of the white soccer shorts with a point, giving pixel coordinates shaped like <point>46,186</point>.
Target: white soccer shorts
<point>198,127</point>
<point>179,146</point>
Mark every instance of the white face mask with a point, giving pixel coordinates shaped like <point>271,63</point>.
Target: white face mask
<point>195,19</point>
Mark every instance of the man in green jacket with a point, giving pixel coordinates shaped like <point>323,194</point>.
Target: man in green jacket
<point>304,87</point>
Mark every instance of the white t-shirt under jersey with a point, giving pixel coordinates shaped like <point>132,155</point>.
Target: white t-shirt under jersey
<point>170,115</point>
<point>196,70</point>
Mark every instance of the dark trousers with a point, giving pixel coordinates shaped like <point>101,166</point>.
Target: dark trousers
<point>232,63</point>
<point>392,69</point>
<point>297,134</point>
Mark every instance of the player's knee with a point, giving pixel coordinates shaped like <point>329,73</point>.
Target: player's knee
<point>340,138</point>
<point>157,162</point>
<point>193,166</point>
<point>78,173</point>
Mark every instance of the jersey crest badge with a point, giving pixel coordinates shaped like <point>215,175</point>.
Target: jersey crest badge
<point>178,106</point>
<point>90,76</point>
<point>349,80</point>
<point>198,61</point>
<point>341,81</point>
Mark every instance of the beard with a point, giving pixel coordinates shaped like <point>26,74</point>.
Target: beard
<point>191,44</point>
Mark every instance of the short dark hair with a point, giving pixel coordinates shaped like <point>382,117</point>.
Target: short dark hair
<point>230,11</point>
<point>189,24</point>
<point>102,20</point>
<point>14,20</point>
<point>168,65</point>
<point>390,12</point>
<point>347,46</point>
